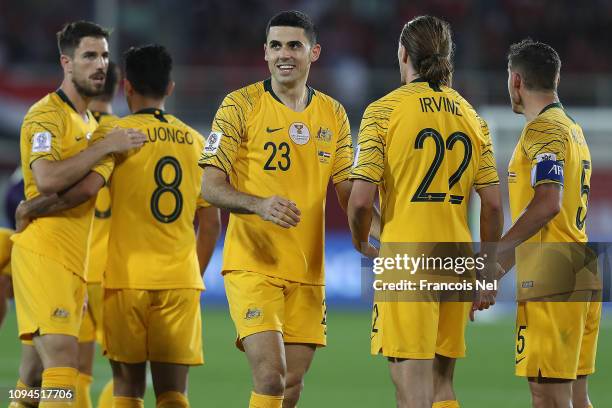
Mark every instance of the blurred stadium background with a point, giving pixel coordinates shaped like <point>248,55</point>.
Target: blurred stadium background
<point>217,47</point>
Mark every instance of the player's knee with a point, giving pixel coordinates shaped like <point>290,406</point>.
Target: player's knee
<point>30,373</point>
<point>270,381</point>
<point>59,351</point>
<point>294,385</point>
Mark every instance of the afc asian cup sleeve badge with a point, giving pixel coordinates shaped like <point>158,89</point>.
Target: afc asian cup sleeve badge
<point>212,142</point>
<point>41,142</point>
<point>299,133</point>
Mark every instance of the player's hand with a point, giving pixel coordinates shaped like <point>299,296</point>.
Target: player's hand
<point>21,220</point>
<point>279,210</point>
<point>121,139</point>
<point>368,250</point>
<point>484,300</point>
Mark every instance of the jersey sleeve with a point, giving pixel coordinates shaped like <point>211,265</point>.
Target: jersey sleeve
<point>42,131</point>
<point>370,152</point>
<point>105,166</point>
<point>343,160</point>
<point>202,203</point>
<point>545,144</point>
<point>228,130</point>
<point>486,175</point>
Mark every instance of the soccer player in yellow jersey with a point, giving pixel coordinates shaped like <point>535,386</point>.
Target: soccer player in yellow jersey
<point>61,176</point>
<point>549,183</point>
<point>91,326</point>
<point>152,281</point>
<point>424,148</point>
<point>280,142</point>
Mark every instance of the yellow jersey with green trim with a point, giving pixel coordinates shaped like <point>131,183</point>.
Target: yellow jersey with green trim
<point>53,130</point>
<point>153,198</point>
<point>552,149</point>
<point>268,149</point>
<point>426,148</point>
<point>98,249</point>
<point>5,250</point>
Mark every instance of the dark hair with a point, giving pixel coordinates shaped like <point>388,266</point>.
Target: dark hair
<point>69,37</point>
<point>294,19</point>
<point>148,69</point>
<point>538,63</point>
<point>428,41</point>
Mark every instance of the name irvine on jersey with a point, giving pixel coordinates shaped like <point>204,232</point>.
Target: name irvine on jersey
<point>431,104</point>
<point>169,134</point>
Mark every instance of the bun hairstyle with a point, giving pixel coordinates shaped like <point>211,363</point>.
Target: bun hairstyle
<point>428,41</point>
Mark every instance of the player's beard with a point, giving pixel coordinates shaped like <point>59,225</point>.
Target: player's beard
<point>87,90</point>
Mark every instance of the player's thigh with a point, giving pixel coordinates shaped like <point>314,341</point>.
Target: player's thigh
<point>129,380</point>
<point>49,297</point>
<point>305,314</point>
<point>31,366</point>
<point>125,315</point>
<point>548,339</point>
<point>406,330</point>
<point>298,357</point>
<point>265,352</point>
<point>256,302</point>
<point>174,333</point>
<point>452,322</point>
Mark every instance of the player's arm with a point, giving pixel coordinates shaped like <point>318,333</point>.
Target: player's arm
<point>209,229</point>
<point>44,205</point>
<point>543,207</point>
<point>360,215</point>
<point>54,176</point>
<point>220,193</point>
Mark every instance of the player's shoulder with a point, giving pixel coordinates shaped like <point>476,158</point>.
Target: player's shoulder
<point>382,108</point>
<point>246,97</point>
<point>326,100</point>
<point>49,108</point>
<point>551,124</point>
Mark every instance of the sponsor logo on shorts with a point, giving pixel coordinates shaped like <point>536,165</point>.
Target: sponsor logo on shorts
<point>519,360</point>
<point>60,313</point>
<point>252,314</point>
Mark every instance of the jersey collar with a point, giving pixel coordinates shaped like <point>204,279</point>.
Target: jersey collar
<point>432,85</point>
<point>550,106</point>
<point>268,88</point>
<point>158,113</point>
<point>65,98</point>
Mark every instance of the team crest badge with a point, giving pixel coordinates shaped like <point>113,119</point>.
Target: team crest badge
<point>299,133</point>
<point>324,135</point>
<point>252,314</point>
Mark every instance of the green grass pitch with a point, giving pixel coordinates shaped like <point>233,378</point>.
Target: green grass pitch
<point>344,374</point>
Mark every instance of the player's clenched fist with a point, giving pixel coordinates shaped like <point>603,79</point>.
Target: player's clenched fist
<point>121,139</point>
<point>279,211</point>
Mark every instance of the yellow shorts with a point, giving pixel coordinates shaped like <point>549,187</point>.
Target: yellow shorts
<point>91,326</point>
<point>164,326</point>
<point>49,297</point>
<point>261,303</point>
<point>556,339</point>
<point>419,330</point>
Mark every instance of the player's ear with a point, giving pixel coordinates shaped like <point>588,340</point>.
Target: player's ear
<point>170,88</point>
<point>66,63</point>
<point>128,90</point>
<point>265,51</point>
<point>404,54</point>
<point>315,52</point>
<point>516,80</point>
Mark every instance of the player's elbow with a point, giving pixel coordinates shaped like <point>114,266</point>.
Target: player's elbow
<point>47,184</point>
<point>358,205</point>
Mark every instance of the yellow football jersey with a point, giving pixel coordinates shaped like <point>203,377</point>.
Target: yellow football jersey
<point>101,224</point>
<point>552,149</point>
<point>153,195</point>
<point>53,130</point>
<point>426,148</point>
<point>5,250</point>
<point>268,149</point>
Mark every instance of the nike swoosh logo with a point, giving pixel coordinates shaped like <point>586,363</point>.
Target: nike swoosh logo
<point>270,130</point>
<point>519,360</point>
<point>78,139</point>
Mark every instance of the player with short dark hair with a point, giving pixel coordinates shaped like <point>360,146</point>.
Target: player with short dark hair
<point>59,161</point>
<point>280,142</point>
<point>424,149</point>
<point>549,183</point>
<point>152,226</point>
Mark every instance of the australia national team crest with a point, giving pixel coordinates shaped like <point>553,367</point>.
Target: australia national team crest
<point>299,133</point>
<point>324,135</point>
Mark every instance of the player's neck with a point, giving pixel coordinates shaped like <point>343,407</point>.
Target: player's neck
<point>536,101</point>
<point>294,97</point>
<point>139,102</point>
<point>79,101</point>
<point>100,106</point>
